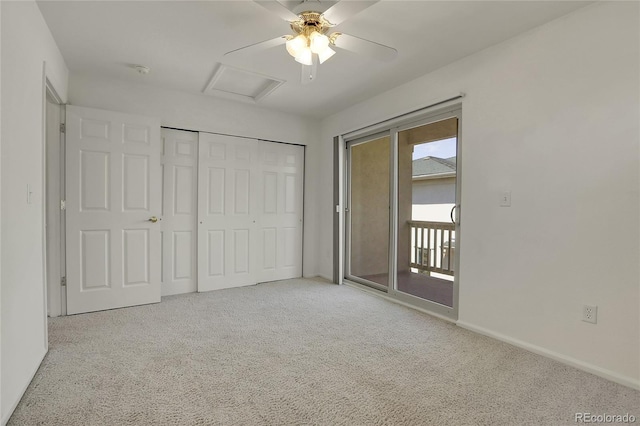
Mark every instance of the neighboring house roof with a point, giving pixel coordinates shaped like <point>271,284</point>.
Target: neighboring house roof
<point>429,166</point>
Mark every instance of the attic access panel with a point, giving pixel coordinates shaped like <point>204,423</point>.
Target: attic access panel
<point>238,84</point>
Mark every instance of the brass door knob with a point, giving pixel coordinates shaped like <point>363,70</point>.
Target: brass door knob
<point>153,219</point>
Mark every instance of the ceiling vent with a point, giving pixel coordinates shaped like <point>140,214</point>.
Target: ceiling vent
<point>240,85</point>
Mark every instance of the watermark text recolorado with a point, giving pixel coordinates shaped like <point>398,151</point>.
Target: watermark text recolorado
<point>604,418</point>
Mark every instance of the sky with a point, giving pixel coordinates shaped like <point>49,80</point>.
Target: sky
<point>444,149</point>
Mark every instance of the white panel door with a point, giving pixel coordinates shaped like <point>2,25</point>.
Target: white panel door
<point>281,169</point>
<point>113,190</point>
<point>179,211</point>
<point>227,201</point>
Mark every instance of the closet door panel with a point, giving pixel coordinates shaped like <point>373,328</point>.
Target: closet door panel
<point>228,193</point>
<point>179,219</point>
<point>281,168</point>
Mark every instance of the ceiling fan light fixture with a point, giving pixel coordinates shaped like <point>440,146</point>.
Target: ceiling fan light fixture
<point>296,45</point>
<point>305,57</point>
<point>312,39</point>
<point>318,42</point>
<point>326,54</point>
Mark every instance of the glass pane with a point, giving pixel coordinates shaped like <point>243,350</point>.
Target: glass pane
<point>369,210</point>
<point>426,196</point>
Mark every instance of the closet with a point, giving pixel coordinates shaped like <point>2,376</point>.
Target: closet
<point>153,211</point>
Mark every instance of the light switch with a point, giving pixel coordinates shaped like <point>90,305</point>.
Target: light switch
<point>505,199</point>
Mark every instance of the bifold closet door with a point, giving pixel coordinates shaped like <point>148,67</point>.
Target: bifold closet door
<point>179,211</point>
<point>281,171</point>
<point>113,189</point>
<point>250,201</point>
<point>227,206</point>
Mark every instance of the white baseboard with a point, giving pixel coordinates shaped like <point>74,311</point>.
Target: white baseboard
<point>581,365</point>
<point>7,416</point>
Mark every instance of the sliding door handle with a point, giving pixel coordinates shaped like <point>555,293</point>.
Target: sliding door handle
<point>455,213</point>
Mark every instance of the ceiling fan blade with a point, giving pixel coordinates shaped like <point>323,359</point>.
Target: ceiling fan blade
<point>364,47</point>
<point>278,8</point>
<point>256,47</point>
<point>345,9</point>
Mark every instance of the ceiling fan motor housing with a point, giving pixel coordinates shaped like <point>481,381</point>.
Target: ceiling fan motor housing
<point>310,22</point>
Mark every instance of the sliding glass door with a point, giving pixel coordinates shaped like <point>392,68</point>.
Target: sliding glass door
<point>427,170</point>
<point>401,211</point>
<point>368,210</point>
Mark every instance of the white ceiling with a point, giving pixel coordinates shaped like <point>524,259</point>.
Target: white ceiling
<point>183,42</point>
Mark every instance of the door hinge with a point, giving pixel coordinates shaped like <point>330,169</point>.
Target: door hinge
<point>63,128</point>
<point>63,205</point>
<point>63,281</point>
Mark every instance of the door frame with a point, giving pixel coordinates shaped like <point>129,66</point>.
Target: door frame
<point>448,108</point>
<point>347,205</point>
<point>55,284</point>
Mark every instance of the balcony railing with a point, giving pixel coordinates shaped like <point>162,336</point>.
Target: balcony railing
<point>433,246</point>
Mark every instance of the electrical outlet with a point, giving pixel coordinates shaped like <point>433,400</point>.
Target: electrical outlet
<point>590,314</point>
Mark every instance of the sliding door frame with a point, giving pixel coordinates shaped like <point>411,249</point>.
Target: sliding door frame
<point>342,226</point>
<point>347,206</point>
<point>446,311</point>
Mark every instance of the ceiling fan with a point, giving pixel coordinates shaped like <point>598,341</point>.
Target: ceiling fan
<point>312,42</point>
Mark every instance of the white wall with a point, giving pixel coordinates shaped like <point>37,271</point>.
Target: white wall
<point>26,44</point>
<point>1,416</point>
<point>187,111</point>
<point>551,115</point>
<point>197,112</point>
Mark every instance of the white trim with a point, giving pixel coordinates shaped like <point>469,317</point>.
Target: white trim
<point>341,175</point>
<point>49,88</point>
<point>55,304</point>
<point>43,198</point>
<point>405,117</point>
<point>6,418</point>
<point>564,359</point>
<point>382,295</point>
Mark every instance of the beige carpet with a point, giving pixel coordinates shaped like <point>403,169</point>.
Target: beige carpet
<point>297,352</point>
